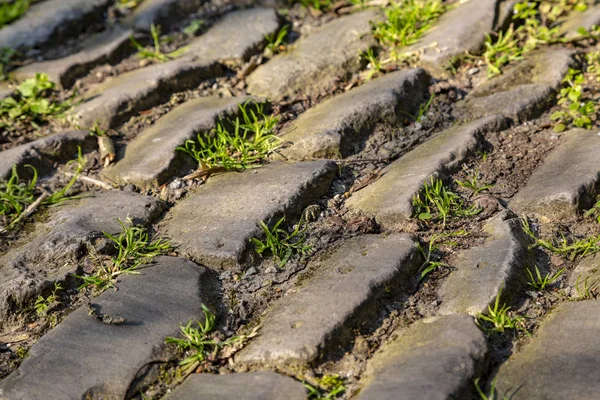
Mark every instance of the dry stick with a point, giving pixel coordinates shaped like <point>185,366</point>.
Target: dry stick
<point>91,181</point>
<point>28,211</point>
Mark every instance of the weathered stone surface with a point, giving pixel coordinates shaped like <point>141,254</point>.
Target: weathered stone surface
<point>234,37</point>
<point>160,12</point>
<point>334,128</point>
<point>213,226</point>
<point>25,270</point>
<point>561,360</point>
<point>568,180</point>
<point>435,358</point>
<point>586,276</point>
<point>52,21</point>
<point>481,272</point>
<point>44,152</point>
<point>523,91</point>
<point>103,47</point>
<point>586,20</point>
<point>342,290</point>
<point>315,60</point>
<point>151,158</point>
<point>460,30</point>
<point>243,386</point>
<point>85,358</point>
<point>237,36</point>
<point>389,199</point>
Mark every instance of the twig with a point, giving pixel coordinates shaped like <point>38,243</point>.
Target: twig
<point>91,181</point>
<point>28,211</point>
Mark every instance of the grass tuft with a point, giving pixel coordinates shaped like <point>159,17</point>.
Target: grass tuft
<point>282,244</point>
<point>155,53</point>
<point>406,21</point>
<point>329,387</point>
<point>249,142</point>
<point>11,11</point>
<point>539,282</point>
<point>429,252</point>
<point>498,318</point>
<point>570,249</point>
<point>436,203</point>
<point>42,304</point>
<point>134,249</point>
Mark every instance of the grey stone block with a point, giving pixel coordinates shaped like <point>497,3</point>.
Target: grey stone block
<point>334,128</point>
<point>433,359</point>
<point>214,225</point>
<point>567,182</point>
<point>84,357</point>
<point>242,386</point>
<point>342,291</point>
<point>389,199</point>
<point>49,256</point>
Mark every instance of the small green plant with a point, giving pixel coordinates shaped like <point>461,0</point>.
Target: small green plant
<point>155,53</point>
<point>276,39</point>
<point>472,183</point>
<point>430,263</point>
<point>594,211</point>
<point>22,352</point>
<point>374,63</point>
<point>330,387</point>
<point>539,282</point>
<point>6,55</point>
<point>534,25</point>
<point>492,394</point>
<point>250,142</point>
<point>31,103</point>
<point>15,196</point>
<point>585,290</point>
<point>575,110</point>
<point>128,4</point>
<point>43,303</point>
<point>194,27</point>
<point>406,21</point>
<point>592,61</point>
<point>498,319</point>
<point>320,5</point>
<point>12,10</point>
<point>282,244</point>
<point>566,248</point>
<point>198,340</point>
<point>134,249</point>
<point>436,203</point>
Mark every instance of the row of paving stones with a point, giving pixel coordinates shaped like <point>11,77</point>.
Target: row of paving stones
<point>53,21</point>
<point>467,350</point>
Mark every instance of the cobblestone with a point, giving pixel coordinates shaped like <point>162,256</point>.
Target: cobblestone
<point>389,199</point>
<point>247,386</point>
<point>485,270</point>
<point>43,153</point>
<point>151,158</point>
<point>104,47</point>
<point>213,226</point>
<point>342,291</point>
<point>436,358</point>
<point>117,99</point>
<point>51,21</point>
<point>567,182</point>
<point>55,245</point>
<point>559,361</point>
<point>335,128</point>
<point>77,359</point>
<point>315,60</point>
